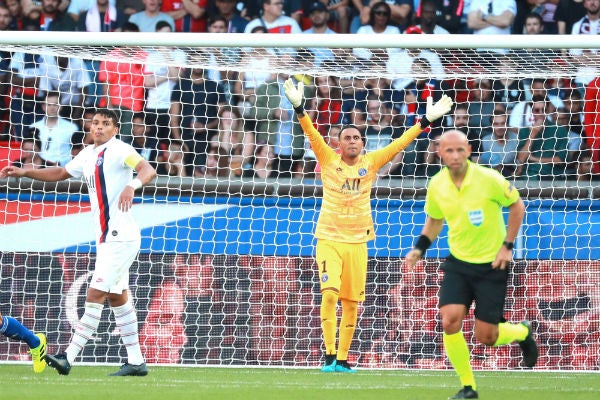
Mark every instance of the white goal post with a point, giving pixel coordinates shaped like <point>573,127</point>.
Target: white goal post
<point>226,274</point>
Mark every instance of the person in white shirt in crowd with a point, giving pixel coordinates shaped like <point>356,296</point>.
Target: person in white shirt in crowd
<point>379,23</point>
<point>492,17</point>
<point>319,17</point>
<point>54,133</point>
<point>273,19</point>
<point>70,77</point>
<point>162,72</point>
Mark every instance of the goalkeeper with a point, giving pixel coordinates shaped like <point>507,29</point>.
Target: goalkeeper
<point>470,199</point>
<point>345,224</point>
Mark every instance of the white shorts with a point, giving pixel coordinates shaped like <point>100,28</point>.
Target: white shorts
<point>113,260</point>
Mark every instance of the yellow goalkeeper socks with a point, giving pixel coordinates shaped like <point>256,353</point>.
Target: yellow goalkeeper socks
<point>329,320</point>
<point>460,357</point>
<point>508,333</point>
<point>347,327</point>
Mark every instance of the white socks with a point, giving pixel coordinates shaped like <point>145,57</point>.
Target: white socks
<point>84,330</point>
<point>127,322</point>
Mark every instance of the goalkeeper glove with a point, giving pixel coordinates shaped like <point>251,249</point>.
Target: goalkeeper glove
<point>294,95</point>
<point>437,110</point>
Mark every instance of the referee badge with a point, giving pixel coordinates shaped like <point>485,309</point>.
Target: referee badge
<point>476,217</point>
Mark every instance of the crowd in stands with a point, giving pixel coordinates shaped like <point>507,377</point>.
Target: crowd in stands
<point>220,123</point>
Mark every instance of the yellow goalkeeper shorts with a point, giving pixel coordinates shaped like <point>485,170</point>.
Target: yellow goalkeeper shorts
<point>343,268</point>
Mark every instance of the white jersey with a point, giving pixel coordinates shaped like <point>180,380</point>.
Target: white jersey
<point>106,171</point>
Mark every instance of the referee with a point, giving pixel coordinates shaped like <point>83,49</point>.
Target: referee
<point>470,199</point>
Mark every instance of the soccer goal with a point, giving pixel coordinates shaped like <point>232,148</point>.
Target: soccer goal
<point>226,274</point>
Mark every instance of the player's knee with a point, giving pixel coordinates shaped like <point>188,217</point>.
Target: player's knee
<point>329,298</point>
<point>451,325</point>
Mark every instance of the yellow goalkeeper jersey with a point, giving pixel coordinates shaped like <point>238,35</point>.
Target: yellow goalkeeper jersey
<point>345,214</point>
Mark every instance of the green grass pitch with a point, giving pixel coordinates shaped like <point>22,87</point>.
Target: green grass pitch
<point>18,382</point>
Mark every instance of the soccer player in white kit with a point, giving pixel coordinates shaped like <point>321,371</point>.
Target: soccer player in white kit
<point>106,166</point>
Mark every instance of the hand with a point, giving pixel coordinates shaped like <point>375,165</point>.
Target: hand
<point>126,199</point>
<point>412,258</point>
<point>503,258</point>
<point>294,95</point>
<point>439,109</point>
<point>11,171</point>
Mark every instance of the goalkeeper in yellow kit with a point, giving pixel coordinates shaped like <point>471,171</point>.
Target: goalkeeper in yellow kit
<point>345,223</point>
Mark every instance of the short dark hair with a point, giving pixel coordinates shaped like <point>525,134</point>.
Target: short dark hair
<point>162,24</point>
<point>110,114</point>
<point>130,27</point>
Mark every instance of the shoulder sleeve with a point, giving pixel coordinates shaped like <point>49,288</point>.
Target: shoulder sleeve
<point>323,152</point>
<point>503,192</point>
<point>75,166</point>
<point>130,157</point>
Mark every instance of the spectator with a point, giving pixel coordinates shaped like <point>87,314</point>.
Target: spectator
<point>534,25</point>
<point>32,9</point>
<point>567,13</point>
<point>130,7</point>
<point>231,136</point>
<point>29,158</point>
<point>275,125</point>
<point>339,14</point>
<point>508,90</point>
<point>27,79</point>
<point>162,71</point>
<point>521,114</point>
<point>492,17</point>
<point>400,13</point>
<point>499,149</point>
<point>216,164</point>
<point>70,76</point>
<point>428,18</point>
<point>146,146</point>
<point>162,336</point>
<point>146,20</point>
<point>195,102</point>
<point>256,69</point>
<point>217,57</point>
<point>53,19</point>
<point>235,22</point>
<point>588,25</point>
<point>431,163</point>
<point>448,14</point>
<point>327,104</point>
<point>543,147</point>
<point>123,83</point>
<point>16,15</point>
<point>261,165</point>
<point>170,161</point>
<point>273,19</point>
<point>95,19</point>
<point>54,133</point>
<point>379,23</point>
<point>318,15</point>
<point>461,120</point>
<point>189,15</point>
<point>481,105</point>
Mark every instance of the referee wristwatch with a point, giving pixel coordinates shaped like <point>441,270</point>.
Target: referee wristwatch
<point>508,245</point>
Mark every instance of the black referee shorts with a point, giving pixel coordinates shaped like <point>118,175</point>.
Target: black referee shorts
<point>465,283</point>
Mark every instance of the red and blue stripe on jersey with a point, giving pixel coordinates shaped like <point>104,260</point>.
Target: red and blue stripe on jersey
<point>101,195</point>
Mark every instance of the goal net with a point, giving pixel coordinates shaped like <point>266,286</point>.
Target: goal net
<point>226,274</point>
